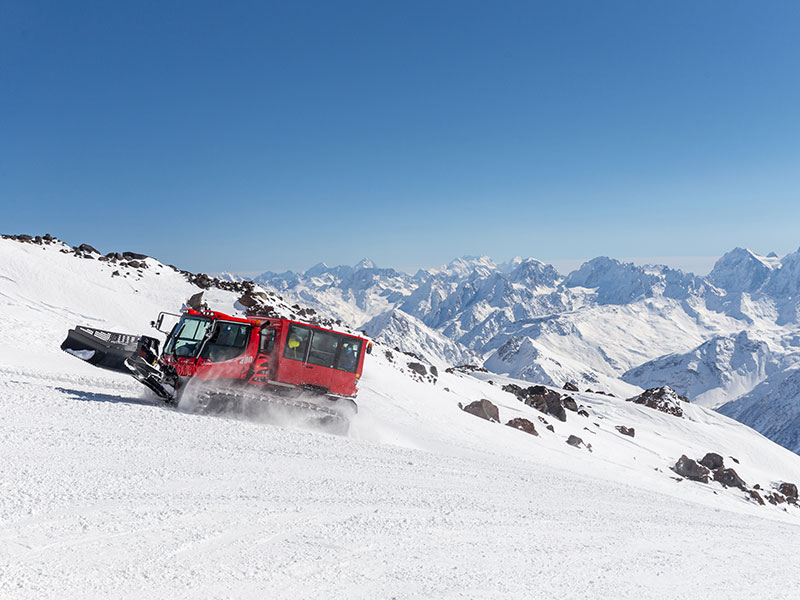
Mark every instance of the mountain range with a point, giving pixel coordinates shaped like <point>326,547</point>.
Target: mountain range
<point>729,340</point>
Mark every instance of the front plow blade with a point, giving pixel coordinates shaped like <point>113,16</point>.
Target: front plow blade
<point>104,349</point>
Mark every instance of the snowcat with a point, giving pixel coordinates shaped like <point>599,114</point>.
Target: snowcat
<point>279,368</point>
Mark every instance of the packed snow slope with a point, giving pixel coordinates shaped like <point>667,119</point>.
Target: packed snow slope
<point>106,493</point>
<point>608,326</point>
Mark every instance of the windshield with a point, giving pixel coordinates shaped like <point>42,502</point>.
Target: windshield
<point>188,336</point>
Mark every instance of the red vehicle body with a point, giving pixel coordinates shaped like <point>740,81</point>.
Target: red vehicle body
<point>262,362</point>
<point>260,351</point>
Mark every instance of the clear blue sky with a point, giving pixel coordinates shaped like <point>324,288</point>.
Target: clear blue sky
<point>250,136</point>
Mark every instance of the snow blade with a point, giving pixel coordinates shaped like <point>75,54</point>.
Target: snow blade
<point>104,349</point>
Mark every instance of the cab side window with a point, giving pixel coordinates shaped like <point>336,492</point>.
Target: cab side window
<point>323,348</point>
<point>227,342</point>
<point>297,342</point>
<point>349,351</point>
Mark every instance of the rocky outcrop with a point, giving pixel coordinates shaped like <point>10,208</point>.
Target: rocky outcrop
<point>523,425</point>
<point>571,387</point>
<point>663,399</point>
<point>541,398</point>
<point>418,368</point>
<point>789,490</point>
<point>574,440</point>
<point>729,478</point>
<point>712,461</point>
<point>629,431</point>
<point>196,302</point>
<point>688,468</point>
<point>483,409</point>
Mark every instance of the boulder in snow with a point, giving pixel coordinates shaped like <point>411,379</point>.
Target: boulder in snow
<point>729,478</point>
<point>664,399</point>
<point>789,490</point>
<point>629,431</point>
<point>713,461</point>
<point>688,468</point>
<point>523,425</point>
<point>483,409</point>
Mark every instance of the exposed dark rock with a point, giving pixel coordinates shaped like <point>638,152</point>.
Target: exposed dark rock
<point>713,461</point>
<point>688,468</point>
<point>570,404</point>
<point>788,489</point>
<point>583,413</point>
<point>729,478</point>
<point>574,440</point>
<point>736,460</point>
<point>196,301</point>
<point>483,409</point>
<point>419,369</point>
<point>757,497</point>
<point>134,256</point>
<point>522,425</point>
<point>551,428</point>
<point>201,280</point>
<point>87,249</point>
<point>435,371</point>
<point>555,409</point>
<point>134,264</point>
<point>775,498</point>
<point>663,399</point>
<point>541,398</point>
<point>630,431</point>
<point>540,390</point>
<point>571,387</point>
<point>252,298</point>
<point>466,369</point>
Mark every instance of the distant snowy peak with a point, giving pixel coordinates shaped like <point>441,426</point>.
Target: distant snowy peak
<point>397,329</point>
<point>718,370</point>
<point>365,263</point>
<point>741,270</point>
<point>467,265</point>
<point>616,282</point>
<point>534,273</point>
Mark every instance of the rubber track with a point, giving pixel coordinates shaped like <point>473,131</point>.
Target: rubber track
<point>326,414</point>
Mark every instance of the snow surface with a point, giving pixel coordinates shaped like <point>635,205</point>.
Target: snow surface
<point>105,493</point>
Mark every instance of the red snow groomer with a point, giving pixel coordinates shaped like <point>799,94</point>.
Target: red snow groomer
<point>287,369</point>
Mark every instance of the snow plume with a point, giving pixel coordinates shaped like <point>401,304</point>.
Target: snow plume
<point>295,409</point>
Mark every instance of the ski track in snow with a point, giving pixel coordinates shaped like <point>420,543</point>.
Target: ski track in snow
<point>105,493</point>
